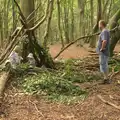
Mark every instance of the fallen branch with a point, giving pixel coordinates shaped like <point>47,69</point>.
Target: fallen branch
<point>11,46</point>
<point>87,36</point>
<point>114,74</point>
<point>108,103</point>
<point>3,79</point>
<point>36,108</point>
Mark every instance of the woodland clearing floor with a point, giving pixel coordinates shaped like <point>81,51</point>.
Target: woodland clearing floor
<point>18,106</point>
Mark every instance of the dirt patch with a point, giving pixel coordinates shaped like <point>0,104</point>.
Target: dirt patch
<point>18,106</point>
<point>71,52</point>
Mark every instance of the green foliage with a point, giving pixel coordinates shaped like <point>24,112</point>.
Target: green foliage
<point>53,87</point>
<point>57,85</point>
<point>114,66</point>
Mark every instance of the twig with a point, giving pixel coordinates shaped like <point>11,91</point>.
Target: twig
<point>108,103</point>
<point>114,74</point>
<point>36,108</point>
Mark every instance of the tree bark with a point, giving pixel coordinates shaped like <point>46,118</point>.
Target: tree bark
<point>41,55</point>
<point>95,29</point>
<point>92,13</point>
<point>81,5</point>
<point>66,21</point>
<point>59,23</point>
<point>116,36</point>
<point>27,7</point>
<point>46,36</point>
<point>72,19</point>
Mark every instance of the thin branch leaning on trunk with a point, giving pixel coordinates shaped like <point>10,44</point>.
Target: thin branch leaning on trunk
<point>44,18</point>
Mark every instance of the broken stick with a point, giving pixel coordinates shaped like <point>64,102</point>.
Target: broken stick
<point>108,103</point>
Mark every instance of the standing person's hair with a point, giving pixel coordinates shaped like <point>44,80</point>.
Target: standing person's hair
<point>103,23</point>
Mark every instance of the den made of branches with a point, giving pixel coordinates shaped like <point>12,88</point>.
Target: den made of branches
<point>27,28</point>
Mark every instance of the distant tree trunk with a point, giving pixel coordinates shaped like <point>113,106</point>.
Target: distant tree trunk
<point>46,36</point>
<point>66,21</point>
<point>109,12</point>
<point>96,28</point>
<point>92,13</point>
<point>104,12</point>
<point>72,19</point>
<point>5,19</point>
<point>14,15</point>
<point>59,23</point>
<point>81,5</point>
<point>1,30</point>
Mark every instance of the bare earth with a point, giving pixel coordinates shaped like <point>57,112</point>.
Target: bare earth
<point>17,106</point>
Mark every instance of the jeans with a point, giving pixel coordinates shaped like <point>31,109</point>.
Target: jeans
<point>103,61</point>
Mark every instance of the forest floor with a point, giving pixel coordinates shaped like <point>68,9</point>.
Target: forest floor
<point>18,106</point>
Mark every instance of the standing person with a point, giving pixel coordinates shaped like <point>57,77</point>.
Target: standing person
<point>103,50</point>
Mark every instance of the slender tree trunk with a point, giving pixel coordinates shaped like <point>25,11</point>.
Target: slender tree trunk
<point>5,18</point>
<point>109,12</point>
<point>66,21</point>
<point>92,13</point>
<point>96,28</point>
<point>1,30</point>
<point>46,36</point>
<point>59,23</point>
<point>72,19</point>
<point>116,36</point>
<point>14,15</point>
<point>104,12</point>
<point>81,5</point>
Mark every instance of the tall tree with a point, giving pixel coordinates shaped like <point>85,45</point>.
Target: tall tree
<point>66,21</point>
<point>46,36</point>
<point>92,13</point>
<point>59,22</point>
<point>27,7</point>
<point>81,5</point>
<point>96,28</point>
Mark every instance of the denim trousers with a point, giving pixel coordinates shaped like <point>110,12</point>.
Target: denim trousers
<point>103,61</point>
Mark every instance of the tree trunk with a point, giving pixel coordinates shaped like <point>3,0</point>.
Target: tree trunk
<point>116,36</point>
<point>46,36</point>
<point>81,5</point>
<point>1,30</point>
<point>72,20</point>
<point>41,55</point>
<point>66,21</point>
<point>59,23</point>
<point>92,13</point>
<point>96,28</point>
<point>27,7</point>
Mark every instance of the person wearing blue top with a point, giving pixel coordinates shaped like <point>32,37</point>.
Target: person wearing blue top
<point>103,49</point>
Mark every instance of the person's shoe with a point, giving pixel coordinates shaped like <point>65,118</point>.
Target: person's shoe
<point>107,81</point>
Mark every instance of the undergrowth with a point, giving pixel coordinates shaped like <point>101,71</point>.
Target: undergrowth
<point>57,85</point>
